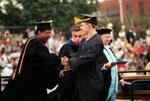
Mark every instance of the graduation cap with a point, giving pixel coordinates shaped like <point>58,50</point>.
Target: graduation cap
<point>44,25</point>
<point>103,30</point>
<point>86,18</point>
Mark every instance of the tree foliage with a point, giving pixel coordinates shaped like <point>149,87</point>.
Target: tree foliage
<point>61,13</point>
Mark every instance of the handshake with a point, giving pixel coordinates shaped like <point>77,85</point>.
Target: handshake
<point>65,62</point>
<point>66,70</point>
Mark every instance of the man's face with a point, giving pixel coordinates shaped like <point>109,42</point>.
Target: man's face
<point>77,37</point>
<point>45,35</point>
<point>106,38</point>
<point>85,27</point>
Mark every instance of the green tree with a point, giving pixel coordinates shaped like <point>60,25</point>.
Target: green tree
<point>11,16</point>
<point>61,13</point>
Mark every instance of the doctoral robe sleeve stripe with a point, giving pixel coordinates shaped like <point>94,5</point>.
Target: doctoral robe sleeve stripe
<point>20,66</point>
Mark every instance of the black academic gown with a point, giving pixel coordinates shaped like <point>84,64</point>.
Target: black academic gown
<point>66,87</point>
<point>37,70</point>
<point>68,48</point>
<point>107,79</point>
<point>86,63</point>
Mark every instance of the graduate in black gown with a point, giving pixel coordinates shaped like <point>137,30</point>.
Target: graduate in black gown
<point>87,62</point>
<point>37,69</point>
<point>65,89</point>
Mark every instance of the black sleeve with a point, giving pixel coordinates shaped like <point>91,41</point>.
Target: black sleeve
<point>66,50</point>
<point>87,57</point>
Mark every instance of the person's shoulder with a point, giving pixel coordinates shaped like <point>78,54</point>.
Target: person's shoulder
<point>65,47</point>
<point>98,39</point>
<point>32,40</point>
<point>68,44</point>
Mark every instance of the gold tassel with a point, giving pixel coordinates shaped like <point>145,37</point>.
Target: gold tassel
<point>77,20</point>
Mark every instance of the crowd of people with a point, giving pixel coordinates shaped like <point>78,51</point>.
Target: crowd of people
<point>133,47</point>
<point>45,50</point>
<point>135,52</point>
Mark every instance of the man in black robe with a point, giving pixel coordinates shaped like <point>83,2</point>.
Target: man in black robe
<point>65,89</point>
<point>86,62</point>
<point>109,70</point>
<point>37,69</point>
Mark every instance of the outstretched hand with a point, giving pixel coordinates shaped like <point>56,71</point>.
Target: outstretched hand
<point>65,62</point>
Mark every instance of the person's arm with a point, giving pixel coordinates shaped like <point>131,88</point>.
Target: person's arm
<point>103,67</point>
<point>122,82</point>
<point>108,66</point>
<point>87,57</point>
